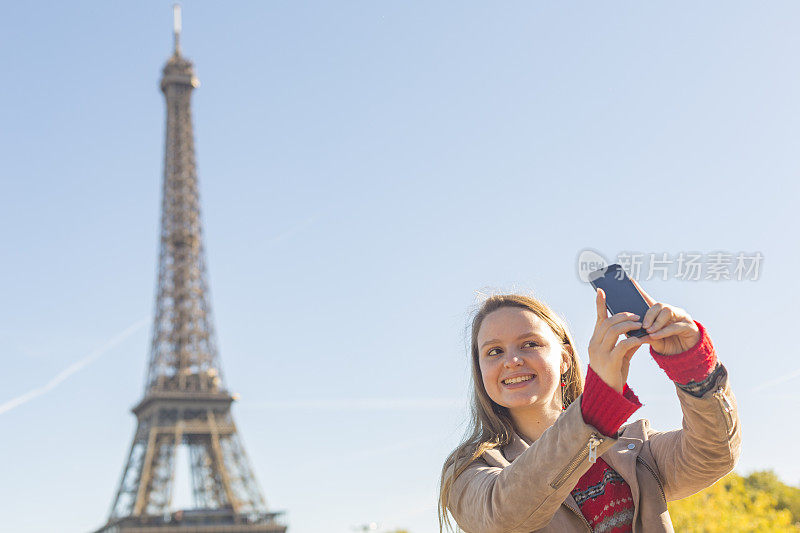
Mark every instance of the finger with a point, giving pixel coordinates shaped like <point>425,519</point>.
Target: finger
<point>626,362</point>
<point>621,317</point>
<point>600,300</point>
<point>647,297</point>
<point>651,314</point>
<point>612,333</point>
<point>601,329</point>
<point>673,329</point>
<point>630,352</point>
<point>665,317</point>
<point>626,348</point>
<point>627,356</point>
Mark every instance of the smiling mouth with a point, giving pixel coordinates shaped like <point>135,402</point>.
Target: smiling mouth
<point>518,379</point>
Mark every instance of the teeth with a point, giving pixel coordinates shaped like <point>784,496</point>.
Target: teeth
<point>519,379</point>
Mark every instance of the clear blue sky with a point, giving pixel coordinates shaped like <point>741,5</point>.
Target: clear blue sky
<point>365,169</point>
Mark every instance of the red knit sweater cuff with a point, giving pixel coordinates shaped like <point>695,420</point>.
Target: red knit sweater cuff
<point>605,408</point>
<point>695,364</point>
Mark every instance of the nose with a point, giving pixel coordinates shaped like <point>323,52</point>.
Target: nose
<point>512,360</point>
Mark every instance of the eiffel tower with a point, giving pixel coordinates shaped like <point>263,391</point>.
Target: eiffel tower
<point>186,402</point>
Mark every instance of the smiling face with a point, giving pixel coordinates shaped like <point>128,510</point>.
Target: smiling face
<point>520,360</point>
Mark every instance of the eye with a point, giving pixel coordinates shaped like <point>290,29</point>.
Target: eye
<point>531,343</point>
<point>493,352</point>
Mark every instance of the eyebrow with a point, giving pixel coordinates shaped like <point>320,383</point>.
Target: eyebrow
<point>530,334</point>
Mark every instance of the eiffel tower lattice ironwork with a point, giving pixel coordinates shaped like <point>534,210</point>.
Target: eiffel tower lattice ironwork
<point>185,402</point>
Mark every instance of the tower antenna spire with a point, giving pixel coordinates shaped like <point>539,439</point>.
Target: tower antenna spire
<point>176,27</point>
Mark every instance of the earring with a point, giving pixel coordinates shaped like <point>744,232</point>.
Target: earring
<point>563,400</point>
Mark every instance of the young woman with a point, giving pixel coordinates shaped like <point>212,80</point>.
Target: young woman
<point>547,451</point>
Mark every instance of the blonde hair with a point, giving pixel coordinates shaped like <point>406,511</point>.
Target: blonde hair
<point>490,424</point>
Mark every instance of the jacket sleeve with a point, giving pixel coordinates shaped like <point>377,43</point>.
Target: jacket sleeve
<point>524,495</point>
<point>709,443</point>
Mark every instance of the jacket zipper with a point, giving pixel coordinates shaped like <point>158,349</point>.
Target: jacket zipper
<point>647,466</point>
<point>590,449</point>
<point>580,515</point>
<point>725,405</point>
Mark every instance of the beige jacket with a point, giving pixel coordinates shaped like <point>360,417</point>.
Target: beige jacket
<point>524,488</point>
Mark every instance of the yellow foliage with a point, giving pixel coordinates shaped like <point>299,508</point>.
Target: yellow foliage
<point>731,506</point>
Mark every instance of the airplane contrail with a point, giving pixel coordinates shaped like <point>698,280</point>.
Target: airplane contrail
<point>782,379</point>
<point>293,230</point>
<point>74,367</point>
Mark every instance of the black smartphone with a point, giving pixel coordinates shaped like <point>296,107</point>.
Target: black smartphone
<point>621,294</point>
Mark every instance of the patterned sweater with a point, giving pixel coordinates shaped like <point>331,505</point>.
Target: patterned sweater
<point>602,495</point>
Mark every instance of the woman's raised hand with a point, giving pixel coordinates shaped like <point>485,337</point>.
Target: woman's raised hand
<point>670,329</point>
<point>611,359</point>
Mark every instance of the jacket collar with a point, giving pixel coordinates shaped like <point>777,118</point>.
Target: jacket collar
<point>515,448</point>
<point>621,457</point>
<point>620,454</point>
